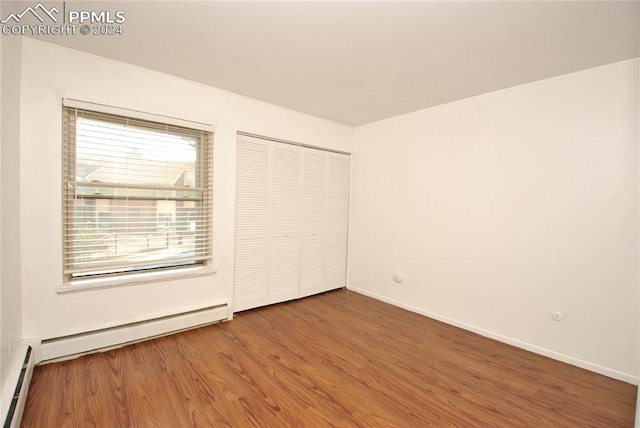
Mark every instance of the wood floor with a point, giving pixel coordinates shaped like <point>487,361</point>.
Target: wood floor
<point>337,359</point>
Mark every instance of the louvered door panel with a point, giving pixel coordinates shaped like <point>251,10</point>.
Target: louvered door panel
<point>314,177</point>
<point>336,221</point>
<point>285,222</point>
<point>251,273</point>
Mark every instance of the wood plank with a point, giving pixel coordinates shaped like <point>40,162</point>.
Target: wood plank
<point>336,359</point>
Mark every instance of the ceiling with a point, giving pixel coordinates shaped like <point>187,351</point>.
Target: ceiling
<point>358,62</point>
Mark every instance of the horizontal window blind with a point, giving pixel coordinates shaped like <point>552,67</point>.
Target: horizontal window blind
<point>137,194</point>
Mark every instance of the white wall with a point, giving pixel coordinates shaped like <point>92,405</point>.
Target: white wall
<point>50,73</point>
<point>10,282</point>
<point>502,208</point>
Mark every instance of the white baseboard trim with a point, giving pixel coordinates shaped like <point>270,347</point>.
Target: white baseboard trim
<point>70,346</point>
<point>625,377</point>
<point>16,388</point>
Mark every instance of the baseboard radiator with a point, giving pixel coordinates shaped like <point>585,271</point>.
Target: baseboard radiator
<point>19,398</point>
<point>70,346</point>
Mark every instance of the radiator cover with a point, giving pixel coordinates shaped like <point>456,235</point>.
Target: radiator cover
<point>65,347</point>
<point>19,398</point>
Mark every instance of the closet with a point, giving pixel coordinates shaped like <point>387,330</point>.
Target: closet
<point>292,210</point>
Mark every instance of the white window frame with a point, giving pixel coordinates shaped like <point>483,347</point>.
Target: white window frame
<point>203,265</point>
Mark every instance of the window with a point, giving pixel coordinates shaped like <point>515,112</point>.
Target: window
<point>137,194</point>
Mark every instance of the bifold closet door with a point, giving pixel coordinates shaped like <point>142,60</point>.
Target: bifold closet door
<point>252,236</point>
<point>325,220</point>
<point>314,185</point>
<point>267,253</point>
<point>336,220</point>
<point>291,222</point>
<point>285,223</point>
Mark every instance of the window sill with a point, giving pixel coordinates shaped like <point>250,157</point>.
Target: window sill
<point>134,279</point>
